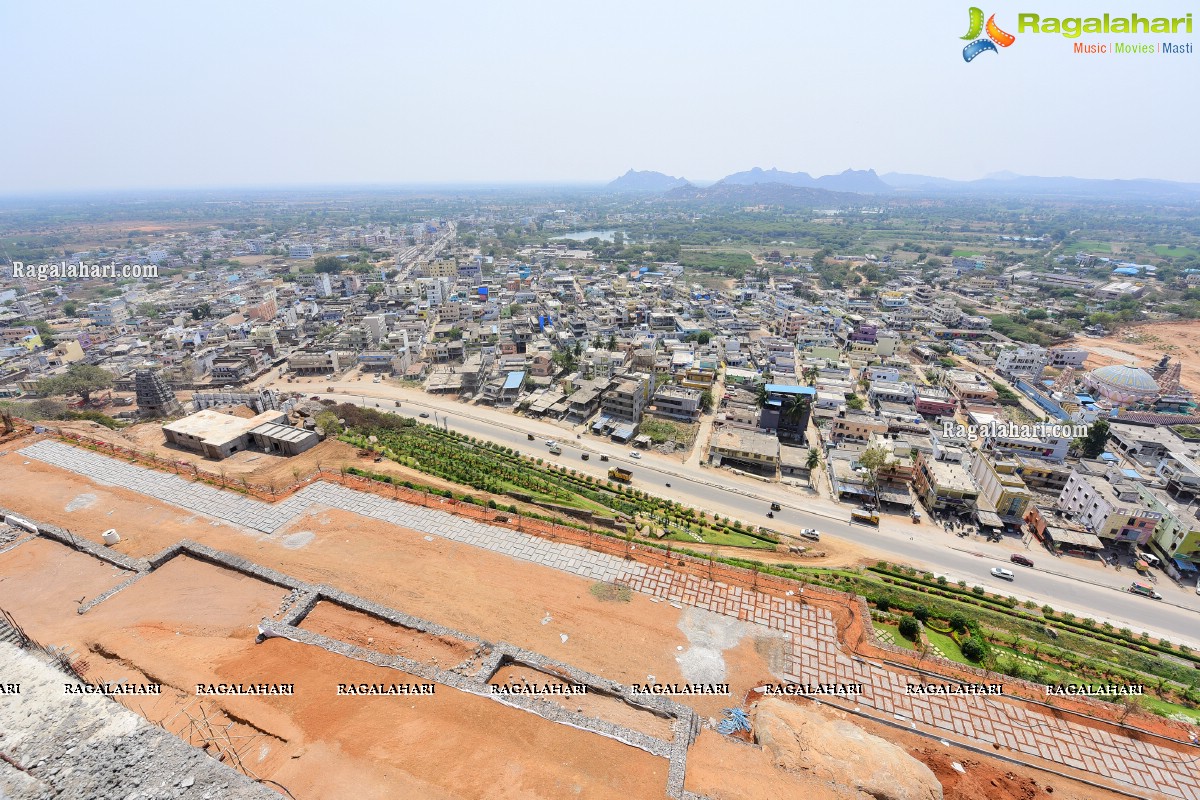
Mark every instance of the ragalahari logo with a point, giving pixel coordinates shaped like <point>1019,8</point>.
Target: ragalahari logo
<point>995,36</point>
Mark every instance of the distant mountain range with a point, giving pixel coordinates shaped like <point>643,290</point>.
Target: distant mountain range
<point>750,186</point>
<point>647,181</point>
<point>860,181</point>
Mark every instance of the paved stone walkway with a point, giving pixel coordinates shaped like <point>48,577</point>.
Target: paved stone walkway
<point>230,506</point>
<point>815,655</point>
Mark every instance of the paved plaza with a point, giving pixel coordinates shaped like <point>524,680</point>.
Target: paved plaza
<point>815,655</point>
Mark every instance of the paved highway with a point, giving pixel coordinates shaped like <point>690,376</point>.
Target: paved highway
<point>1083,587</point>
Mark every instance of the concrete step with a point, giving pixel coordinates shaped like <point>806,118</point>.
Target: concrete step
<point>10,635</point>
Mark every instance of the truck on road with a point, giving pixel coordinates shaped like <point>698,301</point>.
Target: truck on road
<point>1144,590</point>
<point>620,474</point>
<point>864,518</point>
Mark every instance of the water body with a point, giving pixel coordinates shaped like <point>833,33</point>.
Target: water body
<point>583,236</point>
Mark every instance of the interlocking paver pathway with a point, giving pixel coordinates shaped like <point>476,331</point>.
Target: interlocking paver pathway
<point>815,654</point>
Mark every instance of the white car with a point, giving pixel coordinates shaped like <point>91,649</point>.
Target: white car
<point>634,454</point>
<point>551,443</point>
<point>1006,574</point>
<point>810,533</point>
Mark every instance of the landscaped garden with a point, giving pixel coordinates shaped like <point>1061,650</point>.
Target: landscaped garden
<point>500,470</point>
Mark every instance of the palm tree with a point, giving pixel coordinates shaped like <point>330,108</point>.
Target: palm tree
<point>760,395</point>
<point>794,407</point>
<point>813,463</point>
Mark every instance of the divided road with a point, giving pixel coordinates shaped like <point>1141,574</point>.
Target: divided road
<point>1083,587</point>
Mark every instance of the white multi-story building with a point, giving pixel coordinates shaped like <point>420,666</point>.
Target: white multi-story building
<point>1029,359</point>
<point>300,251</point>
<point>1067,357</point>
<point>1112,508</point>
<point>881,373</point>
<point>946,312</point>
<point>112,312</point>
<point>890,392</point>
<point>376,326</point>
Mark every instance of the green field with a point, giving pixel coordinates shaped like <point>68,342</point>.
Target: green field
<point>1096,248</point>
<point>1166,251</point>
<point>715,260</point>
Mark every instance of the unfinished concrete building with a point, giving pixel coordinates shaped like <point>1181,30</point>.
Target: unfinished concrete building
<point>217,435</point>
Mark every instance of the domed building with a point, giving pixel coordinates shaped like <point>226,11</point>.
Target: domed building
<point>1122,385</point>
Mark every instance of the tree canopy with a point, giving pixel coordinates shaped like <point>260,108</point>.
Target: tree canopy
<point>81,379</point>
<point>1096,439</point>
<point>872,460</point>
<point>45,332</point>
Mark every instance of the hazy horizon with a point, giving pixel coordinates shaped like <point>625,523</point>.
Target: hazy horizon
<point>133,96</point>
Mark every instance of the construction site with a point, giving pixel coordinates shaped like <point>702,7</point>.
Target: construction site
<point>343,638</point>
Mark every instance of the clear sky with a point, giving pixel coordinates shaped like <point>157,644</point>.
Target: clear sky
<point>104,95</point>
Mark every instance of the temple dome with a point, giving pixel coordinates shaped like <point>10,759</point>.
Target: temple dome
<point>1123,384</point>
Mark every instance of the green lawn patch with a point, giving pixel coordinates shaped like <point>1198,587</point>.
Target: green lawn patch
<point>1053,672</point>
<point>947,646</point>
<point>1187,431</point>
<point>731,539</point>
<point>896,638</point>
<point>1170,710</point>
